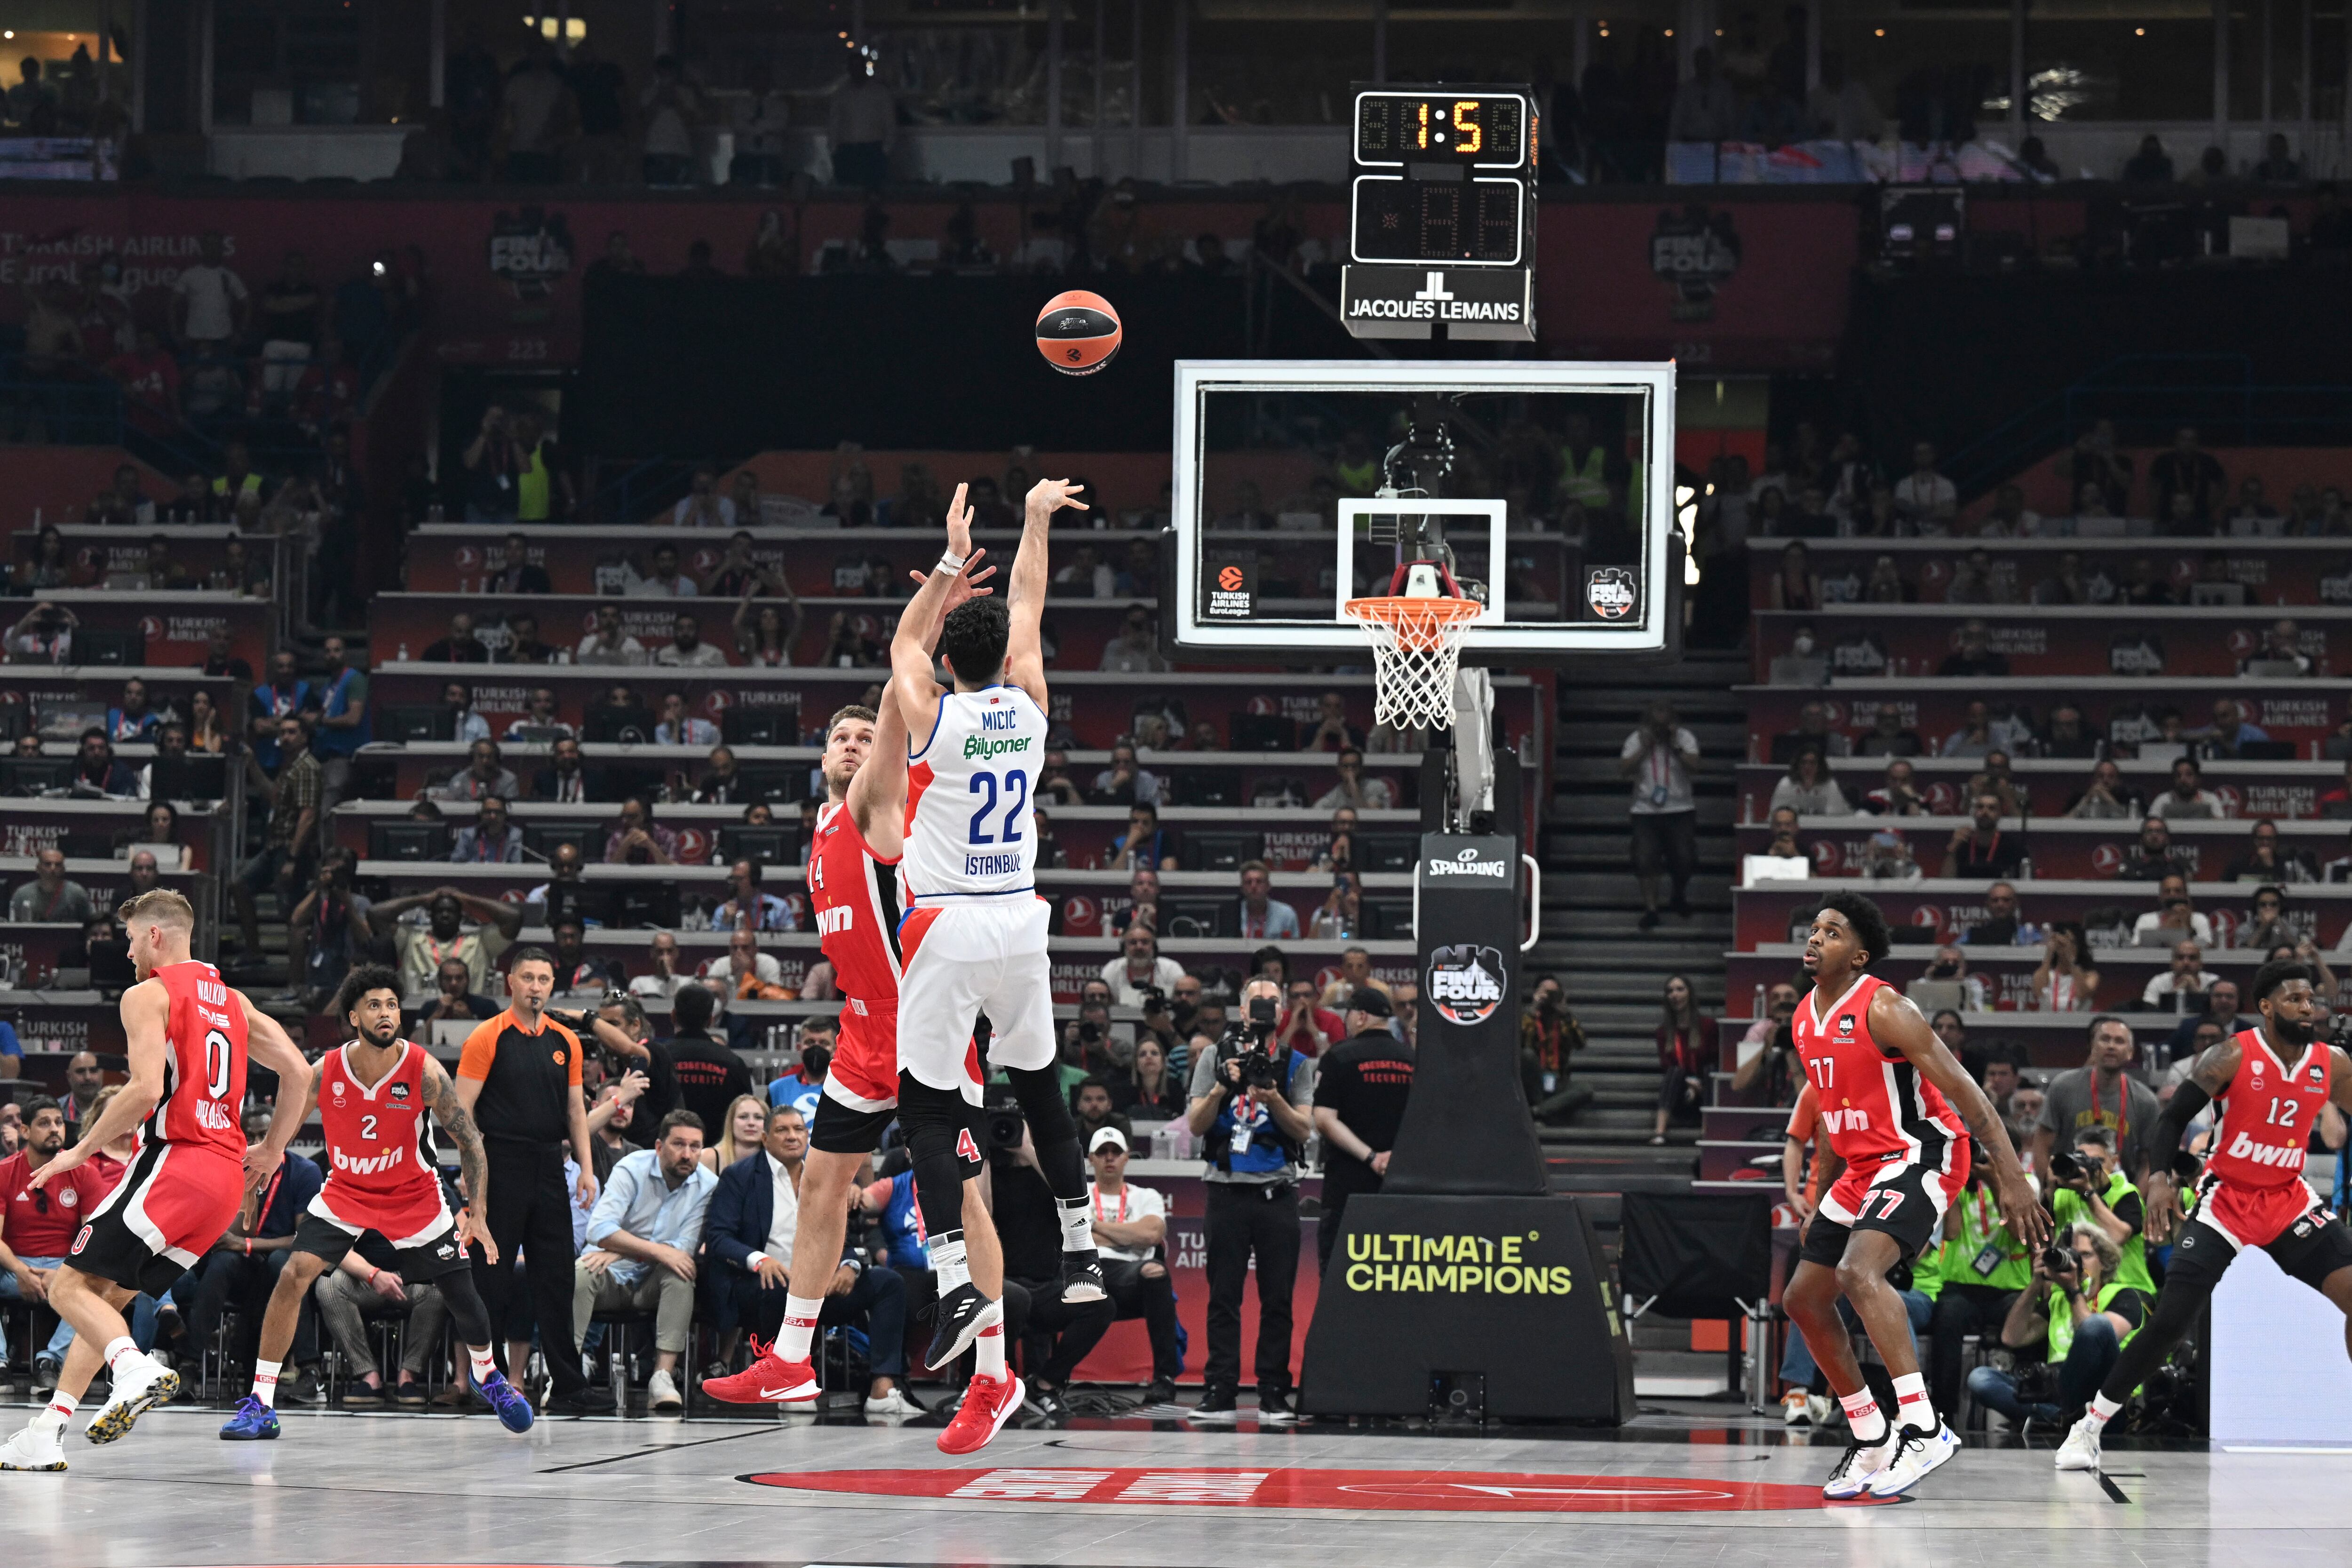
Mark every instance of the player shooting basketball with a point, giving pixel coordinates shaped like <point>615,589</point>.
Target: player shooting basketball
<point>973,938</point>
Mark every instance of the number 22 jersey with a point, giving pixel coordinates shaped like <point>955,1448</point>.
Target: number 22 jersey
<point>970,832</point>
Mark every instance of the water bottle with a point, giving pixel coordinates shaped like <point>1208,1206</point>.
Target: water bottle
<point>1756,1008</point>
<point>402,655</point>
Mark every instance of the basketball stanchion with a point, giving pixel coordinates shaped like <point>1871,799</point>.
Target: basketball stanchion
<point>1465,1287</point>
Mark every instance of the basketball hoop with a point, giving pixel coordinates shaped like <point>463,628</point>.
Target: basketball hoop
<point>1416,643</point>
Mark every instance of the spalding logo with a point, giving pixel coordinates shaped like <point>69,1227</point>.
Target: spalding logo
<point>1468,864</point>
<point>1466,983</point>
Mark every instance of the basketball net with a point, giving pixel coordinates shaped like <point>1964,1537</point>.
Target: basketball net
<point>1416,646</point>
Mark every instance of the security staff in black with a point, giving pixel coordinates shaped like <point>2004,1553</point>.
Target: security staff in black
<point>1253,1135</point>
<point>519,1078</point>
<point>1360,1088</point>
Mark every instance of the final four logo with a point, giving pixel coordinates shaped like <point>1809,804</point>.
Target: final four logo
<point>1467,983</point>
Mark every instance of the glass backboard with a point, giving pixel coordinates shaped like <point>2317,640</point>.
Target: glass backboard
<point>1547,486</point>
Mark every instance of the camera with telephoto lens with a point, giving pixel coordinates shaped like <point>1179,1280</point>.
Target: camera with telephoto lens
<point>2065,1167</point>
<point>1251,1045</point>
<point>2057,1260</point>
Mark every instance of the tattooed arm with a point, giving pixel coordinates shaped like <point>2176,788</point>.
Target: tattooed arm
<point>473,1170</point>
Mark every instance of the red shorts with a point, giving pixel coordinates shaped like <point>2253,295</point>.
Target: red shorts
<point>171,1205</point>
<point>865,1071</point>
<point>2252,1216</point>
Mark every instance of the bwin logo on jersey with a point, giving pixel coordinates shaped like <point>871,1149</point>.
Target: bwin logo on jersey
<point>1466,983</point>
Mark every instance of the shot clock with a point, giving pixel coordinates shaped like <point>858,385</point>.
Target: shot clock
<point>1442,212</point>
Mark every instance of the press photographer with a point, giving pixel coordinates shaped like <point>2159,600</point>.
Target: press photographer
<point>1246,1095</point>
<point>2080,1313</point>
<point>2088,1187</point>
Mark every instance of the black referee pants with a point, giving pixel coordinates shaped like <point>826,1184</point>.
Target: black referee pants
<point>530,1210</point>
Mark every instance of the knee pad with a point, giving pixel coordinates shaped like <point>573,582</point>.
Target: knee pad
<point>468,1315</point>
<point>941,1151</point>
<point>1042,1105</point>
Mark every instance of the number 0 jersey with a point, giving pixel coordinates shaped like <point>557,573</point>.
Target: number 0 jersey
<point>204,1077</point>
<point>1874,1105</point>
<point>855,897</point>
<point>969,833</point>
<point>2267,1112</point>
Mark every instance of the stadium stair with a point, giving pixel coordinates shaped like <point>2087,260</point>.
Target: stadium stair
<point>1615,972</point>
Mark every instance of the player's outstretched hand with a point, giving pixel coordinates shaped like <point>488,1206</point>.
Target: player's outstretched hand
<point>260,1163</point>
<point>469,1234</point>
<point>1048,496</point>
<point>68,1159</point>
<point>2022,1212</point>
<point>967,581</point>
<point>960,523</point>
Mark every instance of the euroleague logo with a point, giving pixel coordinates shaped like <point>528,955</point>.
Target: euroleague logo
<point>1231,579</point>
<point>1466,983</point>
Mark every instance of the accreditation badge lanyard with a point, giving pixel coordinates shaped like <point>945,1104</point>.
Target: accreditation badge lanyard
<point>1122,1207</point>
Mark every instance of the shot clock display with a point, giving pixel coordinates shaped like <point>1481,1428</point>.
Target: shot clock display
<point>1444,176</point>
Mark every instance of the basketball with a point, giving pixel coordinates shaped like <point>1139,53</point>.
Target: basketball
<point>1077,333</point>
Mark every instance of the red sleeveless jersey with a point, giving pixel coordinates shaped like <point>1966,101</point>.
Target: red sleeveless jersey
<point>203,1076</point>
<point>2267,1112</point>
<point>1874,1105</point>
<point>855,897</point>
<point>380,1173</point>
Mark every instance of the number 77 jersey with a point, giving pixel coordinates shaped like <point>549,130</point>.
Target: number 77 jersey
<point>968,829</point>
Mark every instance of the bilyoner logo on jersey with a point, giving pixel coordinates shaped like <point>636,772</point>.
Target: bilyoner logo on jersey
<point>1466,983</point>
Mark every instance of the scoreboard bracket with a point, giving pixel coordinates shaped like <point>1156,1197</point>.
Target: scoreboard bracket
<point>1410,301</point>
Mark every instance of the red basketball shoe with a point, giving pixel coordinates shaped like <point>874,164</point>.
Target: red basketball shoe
<point>768,1380</point>
<point>987,1403</point>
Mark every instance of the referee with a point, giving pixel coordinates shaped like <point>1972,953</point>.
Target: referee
<point>519,1078</point>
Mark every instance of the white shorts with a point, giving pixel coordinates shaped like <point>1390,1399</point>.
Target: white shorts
<point>959,960</point>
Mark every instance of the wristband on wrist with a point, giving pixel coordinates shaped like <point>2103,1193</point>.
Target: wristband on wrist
<point>951,563</point>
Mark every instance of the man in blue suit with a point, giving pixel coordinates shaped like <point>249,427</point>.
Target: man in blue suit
<point>748,1232</point>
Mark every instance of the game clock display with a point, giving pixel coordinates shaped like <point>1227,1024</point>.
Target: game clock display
<point>1444,176</point>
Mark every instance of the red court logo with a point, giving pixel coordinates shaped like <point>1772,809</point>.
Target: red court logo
<point>1444,1491</point>
<point>2106,859</point>
<point>1825,857</point>
<point>1079,913</point>
<point>151,627</point>
<point>1231,579</point>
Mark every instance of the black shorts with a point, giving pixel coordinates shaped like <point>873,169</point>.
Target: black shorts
<point>2310,1250</point>
<point>419,1265</point>
<point>839,1129</point>
<point>1906,1205</point>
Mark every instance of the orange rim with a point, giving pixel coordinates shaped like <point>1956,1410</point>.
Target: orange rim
<point>1417,622</point>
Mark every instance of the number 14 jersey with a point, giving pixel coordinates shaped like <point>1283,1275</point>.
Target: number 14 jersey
<point>969,833</point>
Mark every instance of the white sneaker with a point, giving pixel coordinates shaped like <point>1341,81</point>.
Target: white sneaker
<point>139,1385</point>
<point>39,1447</point>
<point>893,1404</point>
<point>1917,1454</point>
<point>2080,1451</point>
<point>1825,1411</point>
<point>661,1393</point>
<point>1795,1410</point>
<point>1860,1462</point>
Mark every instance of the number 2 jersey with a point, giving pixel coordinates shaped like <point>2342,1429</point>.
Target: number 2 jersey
<point>2254,1188</point>
<point>1876,1110</point>
<point>970,833</point>
<point>381,1174</point>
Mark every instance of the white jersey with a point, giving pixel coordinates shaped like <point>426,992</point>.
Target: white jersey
<point>970,831</point>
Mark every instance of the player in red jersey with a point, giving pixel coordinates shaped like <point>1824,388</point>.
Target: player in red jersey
<point>1895,1156</point>
<point>186,1034</point>
<point>2270,1084</point>
<point>371,1095</point>
<point>853,863</point>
